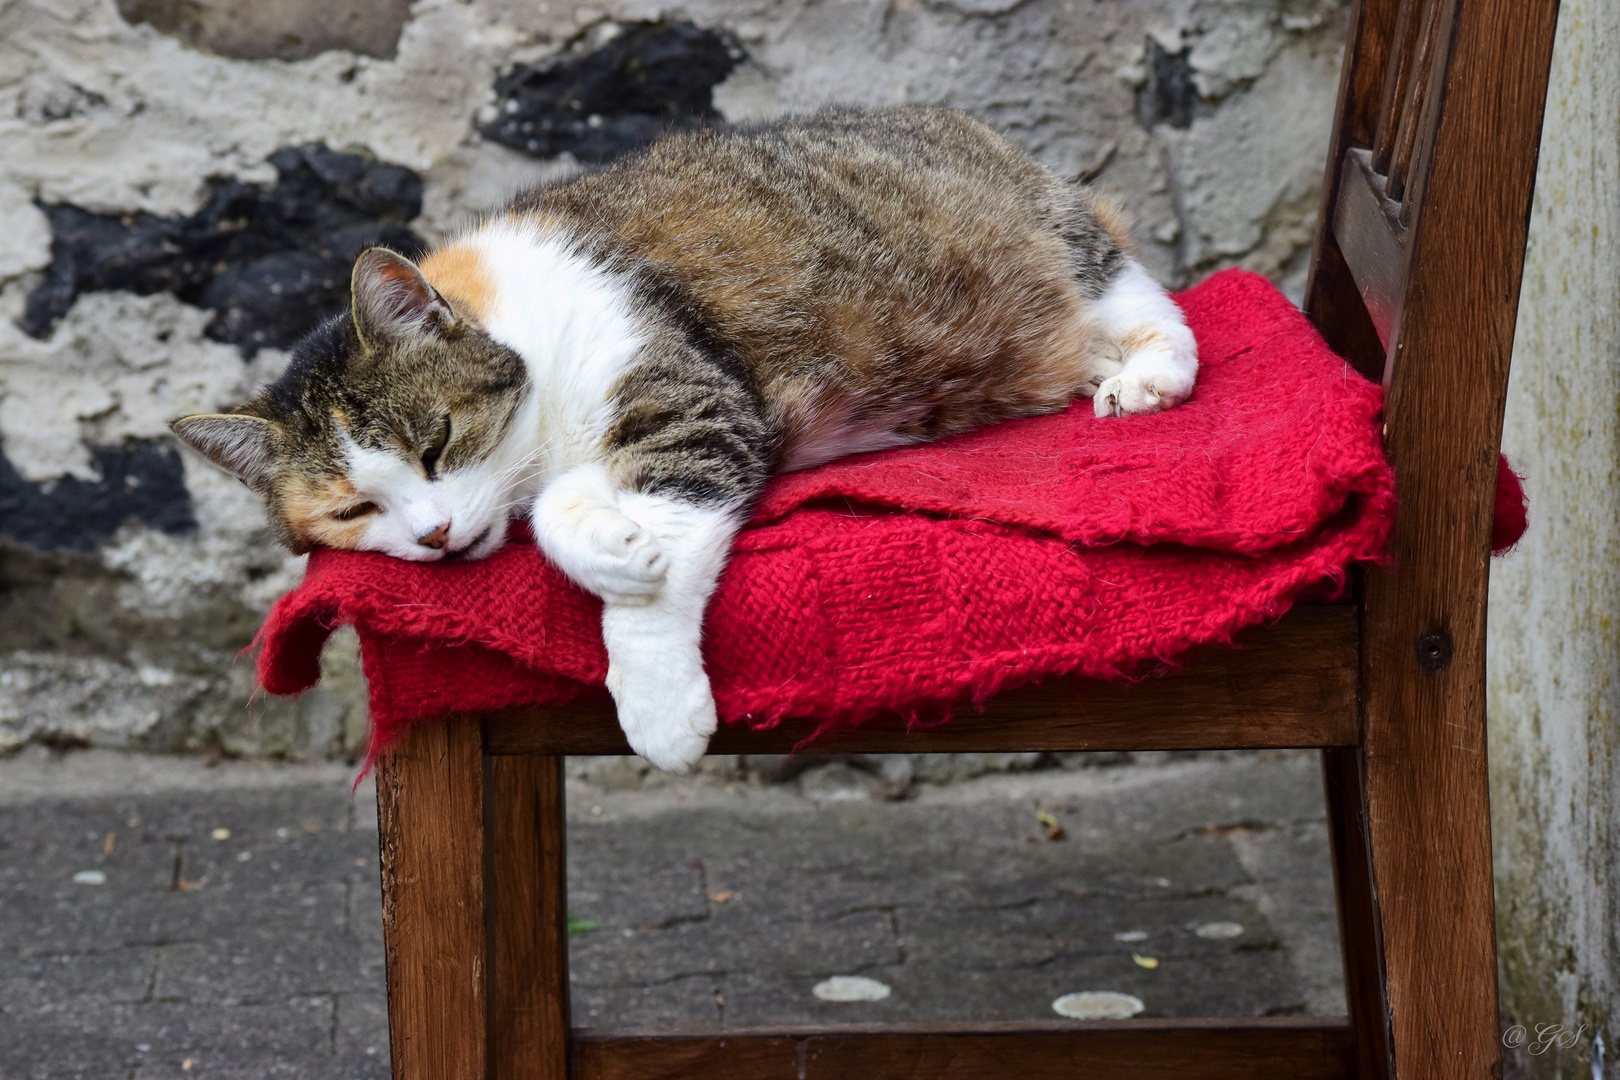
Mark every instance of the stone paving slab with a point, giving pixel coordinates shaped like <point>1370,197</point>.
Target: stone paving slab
<point>257,952</point>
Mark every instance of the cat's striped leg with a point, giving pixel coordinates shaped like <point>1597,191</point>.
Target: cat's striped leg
<point>1158,355</point>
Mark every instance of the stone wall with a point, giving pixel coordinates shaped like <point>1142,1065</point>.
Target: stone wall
<point>182,183</point>
<point>1554,640</point>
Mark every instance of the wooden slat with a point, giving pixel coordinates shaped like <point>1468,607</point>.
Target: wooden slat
<point>1370,235</point>
<point>1331,297</point>
<point>1368,52</point>
<point>1360,938</point>
<point>1427,791</point>
<point>530,918</point>
<point>1419,103</point>
<point>1292,684</point>
<point>430,824</point>
<point>1398,75</point>
<point>1218,1049</point>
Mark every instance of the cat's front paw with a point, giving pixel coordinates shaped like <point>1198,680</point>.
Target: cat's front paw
<point>666,719</point>
<point>1147,385</point>
<point>619,559</point>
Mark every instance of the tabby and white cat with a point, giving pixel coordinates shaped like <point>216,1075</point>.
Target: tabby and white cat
<point>627,357</point>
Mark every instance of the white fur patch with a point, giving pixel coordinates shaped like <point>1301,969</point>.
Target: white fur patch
<point>571,321</point>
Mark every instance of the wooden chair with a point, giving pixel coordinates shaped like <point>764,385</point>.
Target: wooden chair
<point>1415,279</point>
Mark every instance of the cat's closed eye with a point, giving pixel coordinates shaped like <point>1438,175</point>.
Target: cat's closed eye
<point>358,510</point>
<point>430,456</point>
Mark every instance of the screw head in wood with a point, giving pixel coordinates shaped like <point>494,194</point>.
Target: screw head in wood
<point>1434,650</point>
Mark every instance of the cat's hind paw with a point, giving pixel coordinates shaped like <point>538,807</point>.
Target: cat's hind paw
<point>1146,385</point>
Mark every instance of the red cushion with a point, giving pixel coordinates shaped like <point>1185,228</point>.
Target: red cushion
<point>915,579</point>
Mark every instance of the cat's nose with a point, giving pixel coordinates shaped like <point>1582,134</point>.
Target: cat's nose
<point>435,539</point>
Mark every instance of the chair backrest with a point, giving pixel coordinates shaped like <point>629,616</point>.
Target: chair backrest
<point>1426,199</point>
<point>1416,267</point>
<point>1415,279</point>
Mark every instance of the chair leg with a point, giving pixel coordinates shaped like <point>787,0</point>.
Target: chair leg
<point>1428,822</point>
<point>1360,941</point>
<point>530,927</point>
<point>430,820</point>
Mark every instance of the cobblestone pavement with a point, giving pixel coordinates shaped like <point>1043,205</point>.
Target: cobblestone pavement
<point>161,918</point>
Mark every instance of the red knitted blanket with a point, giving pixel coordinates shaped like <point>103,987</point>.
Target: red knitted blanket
<point>914,579</point>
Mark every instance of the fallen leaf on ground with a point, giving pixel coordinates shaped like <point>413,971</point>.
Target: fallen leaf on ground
<point>109,845</point>
<point>1049,821</point>
<point>722,896</point>
<point>577,925</point>
<point>1149,962</point>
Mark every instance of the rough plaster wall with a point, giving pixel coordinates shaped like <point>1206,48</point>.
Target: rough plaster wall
<point>1555,604</point>
<point>1208,116</point>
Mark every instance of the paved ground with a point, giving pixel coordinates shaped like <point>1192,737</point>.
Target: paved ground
<point>140,939</point>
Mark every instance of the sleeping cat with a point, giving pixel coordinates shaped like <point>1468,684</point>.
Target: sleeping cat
<point>627,357</point>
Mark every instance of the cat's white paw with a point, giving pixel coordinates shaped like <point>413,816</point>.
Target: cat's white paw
<point>666,717</point>
<point>580,527</point>
<point>1158,353</point>
<point>655,646</point>
<point>618,559</point>
<point>1146,385</point>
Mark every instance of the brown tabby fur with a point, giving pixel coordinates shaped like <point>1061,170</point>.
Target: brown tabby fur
<point>861,264</point>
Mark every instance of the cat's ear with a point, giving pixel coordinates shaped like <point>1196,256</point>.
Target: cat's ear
<point>392,302</point>
<point>243,446</point>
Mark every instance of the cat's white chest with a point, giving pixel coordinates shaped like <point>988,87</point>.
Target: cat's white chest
<point>573,324</point>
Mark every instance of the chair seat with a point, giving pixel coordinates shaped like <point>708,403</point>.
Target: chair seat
<point>891,587</point>
<point>1292,684</point>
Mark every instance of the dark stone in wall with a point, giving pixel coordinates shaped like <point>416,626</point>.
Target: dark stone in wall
<point>596,104</point>
<point>140,480</point>
<point>1169,96</point>
<point>284,29</point>
<point>270,262</point>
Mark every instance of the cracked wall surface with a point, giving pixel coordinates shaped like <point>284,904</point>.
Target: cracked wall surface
<point>132,576</point>
<point>1554,641</point>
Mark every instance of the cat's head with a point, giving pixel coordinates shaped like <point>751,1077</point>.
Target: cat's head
<point>385,432</point>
